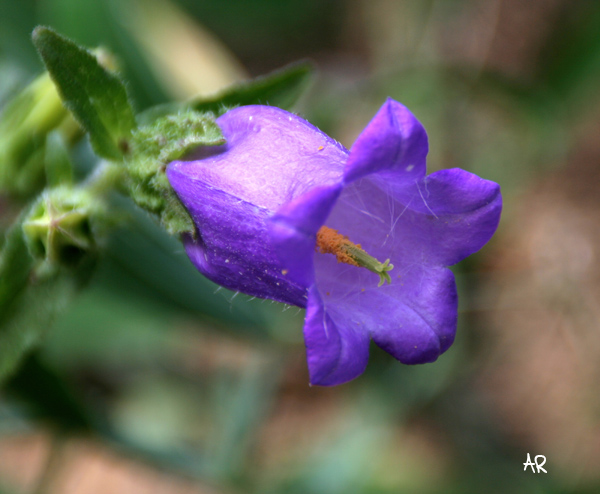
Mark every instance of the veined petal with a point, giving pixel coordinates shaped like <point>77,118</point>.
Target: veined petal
<point>393,141</point>
<point>336,352</point>
<point>421,310</point>
<point>413,318</point>
<point>460,212</point>
<point>438,220</point>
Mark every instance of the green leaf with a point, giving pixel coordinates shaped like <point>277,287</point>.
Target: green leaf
<point>30,298</point>
<point>280,88</point>
<point>96,96</point>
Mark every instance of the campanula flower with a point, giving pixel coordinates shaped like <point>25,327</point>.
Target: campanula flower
<point>361,238</point>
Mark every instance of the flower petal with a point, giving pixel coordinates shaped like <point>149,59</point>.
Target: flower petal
<point>439,220</point>
<point>336,352</point>
<point>420,310</point>
<point>450,214</point>
<point>469,208</point>
<point>232,191</point>
<point>271,157</point>
<point>413,318</point>
<point>232,245</point>
<point>294,228</point>
<point>393,141</point>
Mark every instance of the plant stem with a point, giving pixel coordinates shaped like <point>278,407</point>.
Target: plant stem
<point>106,177</point>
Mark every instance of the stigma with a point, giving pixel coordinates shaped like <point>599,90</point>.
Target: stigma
<point>329,241</point>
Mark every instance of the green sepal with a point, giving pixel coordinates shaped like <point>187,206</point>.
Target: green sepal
<point>96,96</point>
<point>153,147</point>
<point>280,88</point>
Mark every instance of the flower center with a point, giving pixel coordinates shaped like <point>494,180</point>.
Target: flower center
<point>329,241</point>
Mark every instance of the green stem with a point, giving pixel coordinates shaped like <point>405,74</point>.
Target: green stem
<point>105,178</point>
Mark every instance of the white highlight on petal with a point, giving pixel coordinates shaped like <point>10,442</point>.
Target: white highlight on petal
<point>410,168</point>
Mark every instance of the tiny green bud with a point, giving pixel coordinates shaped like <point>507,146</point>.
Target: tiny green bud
<point>60,227</point>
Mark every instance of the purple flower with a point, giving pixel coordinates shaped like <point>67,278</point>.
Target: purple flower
<point>377,270</point>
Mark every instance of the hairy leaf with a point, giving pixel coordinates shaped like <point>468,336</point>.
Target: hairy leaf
<point>95,95</point>
<point>281,88</point>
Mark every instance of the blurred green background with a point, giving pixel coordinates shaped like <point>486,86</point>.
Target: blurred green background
<point>156,380</point>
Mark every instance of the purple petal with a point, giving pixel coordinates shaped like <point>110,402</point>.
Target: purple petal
<point>336,351</point>
<point>420,310</point>
<point>393,141</point>
<point>271,157</point>
<point>232,245</point>
<point>421,228</point>
<point>294,228</point>
<point>413,318</point>
<point>232,191</point>
<point>460,212</point>
<point>436,221</point>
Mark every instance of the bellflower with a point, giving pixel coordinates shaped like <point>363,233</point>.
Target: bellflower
<point>361,238</point>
